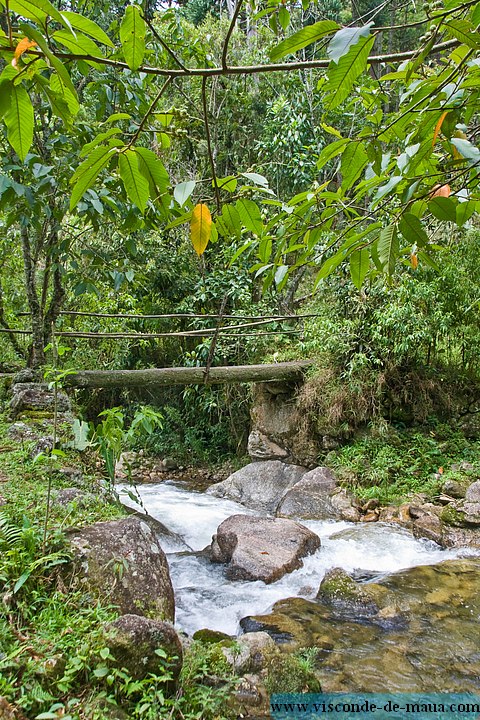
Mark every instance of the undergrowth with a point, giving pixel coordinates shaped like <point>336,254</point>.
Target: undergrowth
<point>53,656</point>
<point>397,463</point>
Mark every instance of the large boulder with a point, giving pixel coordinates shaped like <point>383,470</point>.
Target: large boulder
<point>316,496</point>
<point>134,641</point>
<point>123,561</point>
<point>259,485</point>
<point>261,548</point>
<point>30,396</point>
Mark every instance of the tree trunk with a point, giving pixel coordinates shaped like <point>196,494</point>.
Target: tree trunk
<point>287,371</point>
<point>37,352</point>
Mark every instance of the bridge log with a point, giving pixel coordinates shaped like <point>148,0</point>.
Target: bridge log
<point>285,371</point>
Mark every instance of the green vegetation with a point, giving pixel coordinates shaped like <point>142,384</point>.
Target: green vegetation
<point>53,660</point>
<point>155,163</point>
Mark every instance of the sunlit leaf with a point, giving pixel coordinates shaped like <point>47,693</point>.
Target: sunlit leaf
<point>302,38</point>
<point>344,39</point>
<point>87,26</point>
<point>388,248</point>
<point>136,184</point>
<point>359,266</point>
<point>19,120</point>
<point>200,228</point>
<point>342,76</point>
<point>132,37</point>
<point>183,190</point>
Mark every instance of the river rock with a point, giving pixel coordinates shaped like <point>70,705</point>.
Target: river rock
<point>261,548</point>
<point>70,495</point>
<point>310,497</point>
<point>250,652</point>
<point>260,447</point>
<point>259,485</point>
<point>342,593</point>
<point>473,492</point>
<point>37,397</point>
<point>123,561</point>
<point>133,640</point>
<point>454,488</point>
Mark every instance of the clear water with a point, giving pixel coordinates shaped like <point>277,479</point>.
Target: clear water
<point>205,598</point>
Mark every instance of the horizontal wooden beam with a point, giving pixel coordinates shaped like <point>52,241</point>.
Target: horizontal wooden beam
<point>285,371</point>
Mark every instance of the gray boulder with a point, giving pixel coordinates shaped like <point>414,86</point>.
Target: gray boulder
<point>261,548</point>
<point>133,641</point>
<point>37,397</point>
<point>260,447</point>
<point>473,492</point>
<point>317,497</point>
<point>123,561</point>
<point>259,485</point>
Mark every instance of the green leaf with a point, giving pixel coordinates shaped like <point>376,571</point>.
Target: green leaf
<point>467,150</point>
<point>86,173</point>
<point>341,77</point>
<point>464,32</point>
<point>98,139</point>
<point>19,120</point>
<point>38,10</point>
<point>132,37</point>
<point>413,230</point>
<point>443,209</point>
<point>388,248</point>
<point>60,89</point>
<point>476,15</point>
<point>231,218</point>
<point>344,39</point>
<point>354,160</point>
<point>79,22</point>
<point>302,38</point>
<point>136,184</point>
<point>153,169</point>
<point>78,44</point>
<point>464,211</point>
<point>183,191</point>
<point>5,96</point>
<point>21,581</point>
<point>385,189</point>
<point>330,151</point>
<point>359,266</point>
<point>250,215</point>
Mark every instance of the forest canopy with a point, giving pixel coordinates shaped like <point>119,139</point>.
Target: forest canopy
<point>140,119</point>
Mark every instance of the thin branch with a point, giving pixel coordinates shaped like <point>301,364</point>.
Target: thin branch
<point>209,143</point>
<point>150,111</point>
<point>164,44</point>
<point>229,33</point>
<point>244,69</point>
<point>169,316</point>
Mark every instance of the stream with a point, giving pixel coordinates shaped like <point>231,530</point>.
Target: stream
<point>206,599</point>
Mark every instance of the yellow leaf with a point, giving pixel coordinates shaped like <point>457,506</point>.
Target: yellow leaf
<point>22,47</point>
<point>414,261</point>
<point>200,228</point>
<point>438,126</point>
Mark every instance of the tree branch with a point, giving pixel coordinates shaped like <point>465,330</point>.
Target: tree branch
<point>233,22</point>
<point>209,143</point>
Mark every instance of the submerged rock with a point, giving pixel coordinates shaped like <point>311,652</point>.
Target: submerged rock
<point>259,485</point>
<point>134,640</point>
<point>123,562</point>
<point>261,548</point>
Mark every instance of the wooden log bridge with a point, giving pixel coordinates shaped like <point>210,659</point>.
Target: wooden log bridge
<point>277,372</point>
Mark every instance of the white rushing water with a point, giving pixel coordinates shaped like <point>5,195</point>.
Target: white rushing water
<point>205,598</point>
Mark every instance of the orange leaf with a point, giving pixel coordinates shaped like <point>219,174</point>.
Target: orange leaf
<point>22,47</point>
<point>438,127</point>
<point>414,261</point>
<point>200,228</point>
<point>440,470</point>
<point>441,191</point>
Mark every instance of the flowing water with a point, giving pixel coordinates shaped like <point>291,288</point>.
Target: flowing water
<point>205,598</point>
